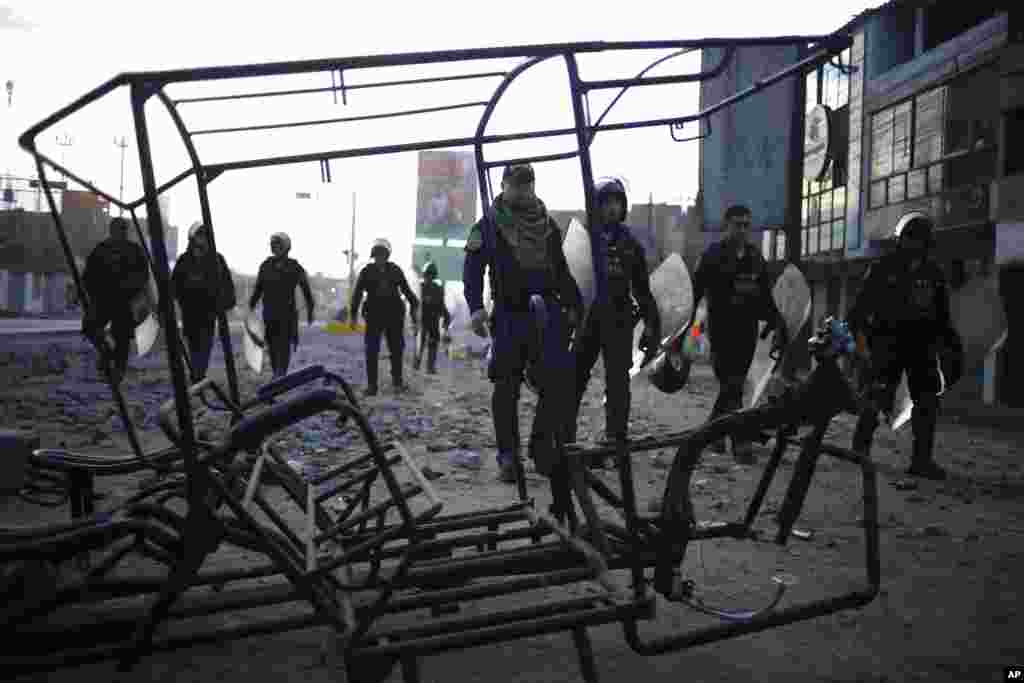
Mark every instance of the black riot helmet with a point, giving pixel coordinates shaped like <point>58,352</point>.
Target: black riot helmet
<point>606,187</point>
<point>670,372</point>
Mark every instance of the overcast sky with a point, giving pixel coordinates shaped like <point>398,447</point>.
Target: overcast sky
<point>54,51</point>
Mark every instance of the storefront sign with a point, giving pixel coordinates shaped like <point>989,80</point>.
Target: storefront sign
<point>817,142</point>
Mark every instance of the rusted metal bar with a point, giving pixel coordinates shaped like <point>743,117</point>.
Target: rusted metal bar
<point>531,160</point>
<point>358,86</point>
<point>204,207</point>
<point>81,181</point>
<point>550,618</point>
<point>587,86</point>
<point>341,119</point>
<point>438,57</point>
<point>163,188</point>
<point>160,269</point>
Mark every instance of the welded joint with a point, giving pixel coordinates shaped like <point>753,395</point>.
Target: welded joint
<point>700,136</point>
<point>143,90</point>
<point>339,84</point>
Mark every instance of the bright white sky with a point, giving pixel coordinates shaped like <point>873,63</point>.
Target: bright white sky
<point>55,51</point>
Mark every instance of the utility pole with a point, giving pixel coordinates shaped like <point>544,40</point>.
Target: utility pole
<point>351,254</point>
<point>65,142</point>
<point>123,144</point>
<point>352,251</point>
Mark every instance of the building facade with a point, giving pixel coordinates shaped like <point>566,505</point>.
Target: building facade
<point>920,114</point>
<point>34,275</point>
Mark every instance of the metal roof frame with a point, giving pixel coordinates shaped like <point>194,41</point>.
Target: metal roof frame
<point>144,85</point>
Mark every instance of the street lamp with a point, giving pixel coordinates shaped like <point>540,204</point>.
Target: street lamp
<point>65,142</point>
<point>123,144</point>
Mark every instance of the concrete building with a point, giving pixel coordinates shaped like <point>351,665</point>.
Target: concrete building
<point>34,275</point>
<point>660,228</point>
<point>922,113</point>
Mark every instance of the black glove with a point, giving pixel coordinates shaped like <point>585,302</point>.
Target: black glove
<point>637,313</point>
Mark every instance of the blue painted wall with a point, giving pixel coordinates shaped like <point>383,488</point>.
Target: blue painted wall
<point>745,158</point>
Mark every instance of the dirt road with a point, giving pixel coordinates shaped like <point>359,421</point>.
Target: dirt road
<point>952,552</point>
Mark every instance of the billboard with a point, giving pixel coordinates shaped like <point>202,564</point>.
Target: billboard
<point>446,196</point>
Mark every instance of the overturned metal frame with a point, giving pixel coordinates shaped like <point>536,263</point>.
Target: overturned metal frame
<point>143,86</point>
<point>568,616</point>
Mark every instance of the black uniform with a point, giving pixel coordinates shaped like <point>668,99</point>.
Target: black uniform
<point>903,311</point>
<point>621,270</point>
<point>1011,283</point>
<point>276,283</point>
<point>432,312</point>
<point>738,289</point>
<point>116,272</point>
<point>203,288</point>
<point>384,311</point>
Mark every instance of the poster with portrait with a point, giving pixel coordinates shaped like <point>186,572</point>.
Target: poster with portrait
<point>446,196</point>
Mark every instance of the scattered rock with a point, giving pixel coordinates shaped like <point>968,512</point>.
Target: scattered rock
<point>904,485</point>
<point>658,462</point>
<point>935,531</point>
<point>466,459</point>
<point>430,474</point>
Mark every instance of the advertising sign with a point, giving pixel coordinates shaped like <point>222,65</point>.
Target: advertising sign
<point>446,196</point>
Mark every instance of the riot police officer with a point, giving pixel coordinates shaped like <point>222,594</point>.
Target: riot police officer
<point>383,283</point>
<point>620,275</point>
<point>734,277</point>
<point>432,312</point>
<point>903,312</point>
<point>115,274</point>
<point>276,281</point>
<point>520,246</point>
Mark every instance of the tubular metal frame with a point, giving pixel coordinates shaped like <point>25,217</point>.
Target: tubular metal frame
<point>148,84</point>
<point>200,486</point>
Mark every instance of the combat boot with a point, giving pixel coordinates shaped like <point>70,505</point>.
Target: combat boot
<point>923,422</point>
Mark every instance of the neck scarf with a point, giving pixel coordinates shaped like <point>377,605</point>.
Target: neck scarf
<point>524,224</point>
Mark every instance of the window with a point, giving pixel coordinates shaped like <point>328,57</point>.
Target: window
<point>939,140</point>
<point>823,210</point>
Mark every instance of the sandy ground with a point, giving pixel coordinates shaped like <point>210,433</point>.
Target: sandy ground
<point>949,610</point>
